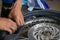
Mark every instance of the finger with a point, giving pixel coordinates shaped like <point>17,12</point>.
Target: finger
<point>8,30</point>
<point>10,15</point>
<point>13,29</point>
<point>12,26</point>
<point>21,21</point>
<point>22,18</point>
<point>12,22</point>
<point>17,21</point>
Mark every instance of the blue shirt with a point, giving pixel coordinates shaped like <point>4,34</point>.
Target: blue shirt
<point>12,1</point>
<point>7,1</point>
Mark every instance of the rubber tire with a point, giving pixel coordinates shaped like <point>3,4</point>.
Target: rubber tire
<point>48,13</point>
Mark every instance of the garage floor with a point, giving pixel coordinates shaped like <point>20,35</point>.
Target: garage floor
<point>54,4</point>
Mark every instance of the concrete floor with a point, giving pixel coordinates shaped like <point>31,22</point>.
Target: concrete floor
<point>54,4</point>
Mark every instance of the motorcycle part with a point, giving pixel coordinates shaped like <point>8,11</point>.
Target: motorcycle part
<point>39,17</point>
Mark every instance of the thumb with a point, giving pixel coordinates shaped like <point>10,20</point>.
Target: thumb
<point>9,16</point>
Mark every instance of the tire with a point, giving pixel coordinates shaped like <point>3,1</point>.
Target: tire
<point>42,13</point>
<point>55,15</point>
<point>48,13</point>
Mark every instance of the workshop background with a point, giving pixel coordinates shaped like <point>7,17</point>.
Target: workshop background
<point>54,4</point>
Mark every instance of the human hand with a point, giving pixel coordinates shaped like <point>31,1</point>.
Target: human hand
<point>17,17</point>
<point>8,25</point>
<point>16,14</point>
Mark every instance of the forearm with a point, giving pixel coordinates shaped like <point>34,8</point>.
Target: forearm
<point>18,4</point>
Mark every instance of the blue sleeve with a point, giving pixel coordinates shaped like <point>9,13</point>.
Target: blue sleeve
<point>12,1</point>
<point>7,1</point>
<point>24,2</point>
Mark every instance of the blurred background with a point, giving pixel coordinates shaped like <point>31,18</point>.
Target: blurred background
<point>54,4</point>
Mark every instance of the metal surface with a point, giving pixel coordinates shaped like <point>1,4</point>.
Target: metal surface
<point>47,30</point>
